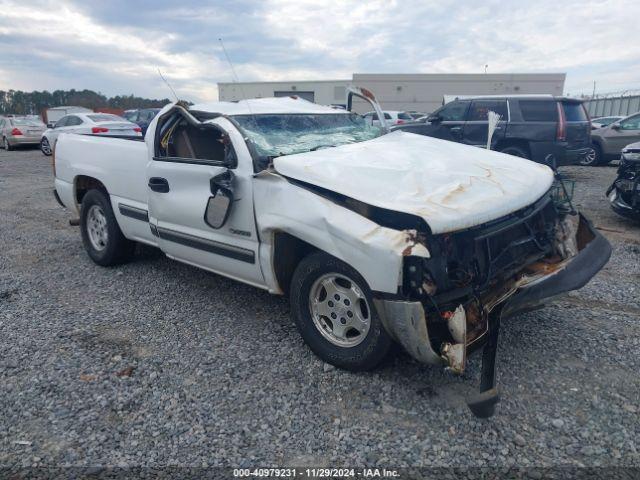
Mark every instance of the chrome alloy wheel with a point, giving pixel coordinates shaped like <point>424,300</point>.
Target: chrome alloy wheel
<point>590,157</point>
<point>45,146</point>
<point>339,310</point>
<point>97,228</point>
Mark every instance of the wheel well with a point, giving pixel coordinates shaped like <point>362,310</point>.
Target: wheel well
<point>288,251</point>
<point>84,183</point>
<point>502,144</point>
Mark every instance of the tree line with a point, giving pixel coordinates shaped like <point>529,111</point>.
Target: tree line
<point>33,103</point>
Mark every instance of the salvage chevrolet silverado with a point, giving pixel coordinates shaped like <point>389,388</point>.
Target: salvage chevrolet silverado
<point>376,237</point>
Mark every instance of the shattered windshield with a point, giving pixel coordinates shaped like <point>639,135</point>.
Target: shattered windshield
<point>285,134</point>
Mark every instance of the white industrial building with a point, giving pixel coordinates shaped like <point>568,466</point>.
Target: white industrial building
<point>423,92</point>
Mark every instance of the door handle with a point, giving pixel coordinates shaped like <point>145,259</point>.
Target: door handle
<point>456,129</point>
<point>159,184</point>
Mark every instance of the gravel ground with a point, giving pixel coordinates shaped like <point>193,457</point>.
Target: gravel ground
<point>157,363</point>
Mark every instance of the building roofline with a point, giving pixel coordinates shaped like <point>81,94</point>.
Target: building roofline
<point>462,73</point>
<point>286,81</point>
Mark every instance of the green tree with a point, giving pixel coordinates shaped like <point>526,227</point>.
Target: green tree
<point>22,103</point>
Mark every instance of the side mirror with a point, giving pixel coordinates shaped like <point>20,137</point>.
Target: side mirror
<point>434,118</point>
<point>51,125</point>
<point>219,204</point>
<point>615,126</point>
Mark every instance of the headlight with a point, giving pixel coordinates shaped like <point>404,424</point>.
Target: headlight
<point>632,156</point>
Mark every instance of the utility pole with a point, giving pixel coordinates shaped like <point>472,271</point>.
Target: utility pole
<point>593,95</point>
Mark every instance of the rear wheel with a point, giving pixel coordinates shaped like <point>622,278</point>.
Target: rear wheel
<point>333,309</point>
<point>102,238</point>
<point>593,157</point>
<point>45,146</point>
<point>516,151</point>
<point>5,143</point>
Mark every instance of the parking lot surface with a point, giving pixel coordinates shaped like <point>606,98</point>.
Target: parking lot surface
<point>158,363</point>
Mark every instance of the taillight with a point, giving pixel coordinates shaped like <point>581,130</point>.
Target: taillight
<point>137,129</point>
<point>99,130</point>
<point>561,131</point>
<point>16,131</point>
<point>399,122</point>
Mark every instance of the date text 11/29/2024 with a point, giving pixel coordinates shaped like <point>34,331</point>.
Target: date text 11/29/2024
<point>316,472</point>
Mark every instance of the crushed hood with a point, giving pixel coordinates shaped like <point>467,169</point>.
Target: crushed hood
<point>450,185</point>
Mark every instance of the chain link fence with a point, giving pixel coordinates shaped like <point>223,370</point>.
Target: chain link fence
<point>622,105</point>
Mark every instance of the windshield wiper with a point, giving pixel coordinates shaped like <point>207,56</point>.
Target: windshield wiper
<point>317,147</point>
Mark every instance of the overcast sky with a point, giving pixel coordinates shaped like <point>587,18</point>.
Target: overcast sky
<point>116,46</point>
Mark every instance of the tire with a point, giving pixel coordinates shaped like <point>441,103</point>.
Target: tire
<point>347,347</point>
<point>102,238</point>
<point>45,146</point>
<point>6,145</point>
<point>593,158</point>
<point>516,151</point>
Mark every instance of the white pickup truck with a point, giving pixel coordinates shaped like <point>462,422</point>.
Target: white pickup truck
<point>376,237</point>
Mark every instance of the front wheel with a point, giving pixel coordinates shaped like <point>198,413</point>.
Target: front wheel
<point>333,309</point>
<point>45,146</point>
<point>102,238</point>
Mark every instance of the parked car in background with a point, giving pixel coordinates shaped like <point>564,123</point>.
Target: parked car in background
<point>141,117</point>
<point>103,124</point>
<point>600,122</point>
<point>530,127</point>
<point>16,131</point>
<point>607,142</point>
<point>416,115</point>
<point>129,114</point>
<point>393,117</point>
<point>624,193</point>
<point>53,114</point>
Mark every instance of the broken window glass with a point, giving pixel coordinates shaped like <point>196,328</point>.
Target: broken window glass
<point>285,134</point>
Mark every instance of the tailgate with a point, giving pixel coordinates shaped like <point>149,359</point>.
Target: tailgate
<point>578,126</point>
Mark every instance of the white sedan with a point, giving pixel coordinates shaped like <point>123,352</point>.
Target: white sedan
<point>105,124</point>
<point>393,117</point>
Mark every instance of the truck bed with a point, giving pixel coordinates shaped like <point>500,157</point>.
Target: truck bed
<point>119,163</point>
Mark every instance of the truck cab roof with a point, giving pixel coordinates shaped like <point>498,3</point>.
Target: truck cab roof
<point>270,105</point>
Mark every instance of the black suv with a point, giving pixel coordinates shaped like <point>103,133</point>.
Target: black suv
<point>531,127</point>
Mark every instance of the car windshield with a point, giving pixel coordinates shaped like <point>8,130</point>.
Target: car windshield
<point>27,122</point>
<point>285,134</point>
<point>105,117</point>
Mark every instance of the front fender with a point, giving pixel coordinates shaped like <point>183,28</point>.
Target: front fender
<point>376,252</point>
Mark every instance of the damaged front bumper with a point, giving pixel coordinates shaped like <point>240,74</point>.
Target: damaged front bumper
<point>407,322</point>
<point>624,192</point>
<point>625,202</point>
